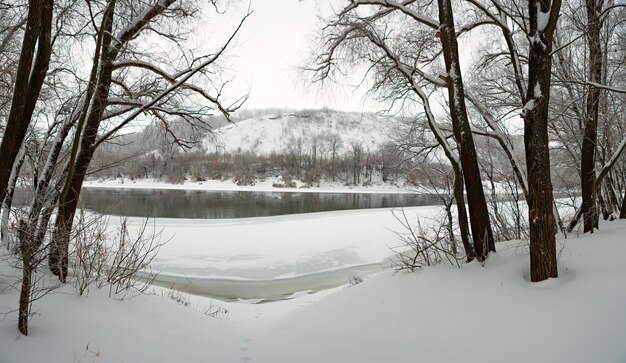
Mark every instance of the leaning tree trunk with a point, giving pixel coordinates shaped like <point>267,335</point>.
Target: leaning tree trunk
<point>543,263</point>
<point>7,204</point>
<point>462,213</point>
<point>28,82</point>
<point>588,153</point>
<point>68,200</point>
<point>478,213</point>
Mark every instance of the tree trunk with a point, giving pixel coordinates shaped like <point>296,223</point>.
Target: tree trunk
<point>462,213</point>
<point>28,83</point>
<point>27,276</point>
<point>588,152</point>
<point>479,216</point>
<point>543,263</point>
<point>622,212</point>
<point>8,198</point>
<point>68,200</point>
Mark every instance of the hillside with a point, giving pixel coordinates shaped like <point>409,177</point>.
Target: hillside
<point>282,133</point>
<point>307,146</point>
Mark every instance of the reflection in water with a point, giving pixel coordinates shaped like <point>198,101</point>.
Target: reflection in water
<point>234,204</point>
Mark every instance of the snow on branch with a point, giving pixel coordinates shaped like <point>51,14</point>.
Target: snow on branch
<point>609,164</point>
<point>168,77</point>
<point>401,6</point>
<point>138,23</point>
<point>605,87</point>
<point>408,75</point>
<point>180,83</point>
<point>500,20</point>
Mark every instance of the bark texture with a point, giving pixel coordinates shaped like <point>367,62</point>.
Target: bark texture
<point>27,277</point>
<point>28,82</point>
<point>589,208</point>
<point>543,263</point>
<point>459,198</point>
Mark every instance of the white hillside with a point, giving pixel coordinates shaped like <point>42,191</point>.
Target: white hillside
<point>283,133</point>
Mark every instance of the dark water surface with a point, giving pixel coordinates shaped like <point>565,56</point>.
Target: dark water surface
<point>235,204</point>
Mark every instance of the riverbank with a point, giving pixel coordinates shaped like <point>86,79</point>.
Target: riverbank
<point>438,314</point>
<point>267,185</point>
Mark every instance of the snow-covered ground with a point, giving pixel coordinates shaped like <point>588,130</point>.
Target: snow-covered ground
<point>439,314</point>
<point>267,257</point>
<point>266,185</point>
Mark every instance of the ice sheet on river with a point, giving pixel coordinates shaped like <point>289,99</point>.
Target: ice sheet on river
<point>269,257</point>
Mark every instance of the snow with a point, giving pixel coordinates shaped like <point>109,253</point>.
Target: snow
<point>438,314</point>
<point>542,18</point>
<point>537,91</point>
<point>417,15</point>
<point>529,106</point>
<point>266,185</point>
<point>284,133</point>
<point>267,257</point>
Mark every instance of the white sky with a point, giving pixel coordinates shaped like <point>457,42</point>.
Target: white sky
<point>273,43</point>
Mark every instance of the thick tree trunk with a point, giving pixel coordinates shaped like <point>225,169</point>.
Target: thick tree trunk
<point>28,83</point>
<point>543,263</point>
<point>478,213</point>
<point>588,153</point>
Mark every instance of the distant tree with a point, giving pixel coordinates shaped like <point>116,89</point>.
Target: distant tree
<point>356,160</point>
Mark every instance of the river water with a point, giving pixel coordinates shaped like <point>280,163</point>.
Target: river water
<point>162,203</point>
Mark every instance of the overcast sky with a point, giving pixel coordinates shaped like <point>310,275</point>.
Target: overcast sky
<point>271,46</point>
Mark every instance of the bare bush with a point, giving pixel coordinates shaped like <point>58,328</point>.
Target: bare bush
<point>132,255</point>
<point>423,246</point>
<point>117,262</point>
<point>90,252</point>
<point>183,299</point>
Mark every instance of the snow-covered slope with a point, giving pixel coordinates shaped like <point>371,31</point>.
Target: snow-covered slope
<point>440,314</point>
<point>282,133</point>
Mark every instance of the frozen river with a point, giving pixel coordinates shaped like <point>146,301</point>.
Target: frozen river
<point>273,257</point>
<point>263,245</point>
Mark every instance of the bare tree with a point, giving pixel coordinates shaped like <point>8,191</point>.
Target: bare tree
<point>31,72</point>
<point>352,27</point>
<point>100,103</point>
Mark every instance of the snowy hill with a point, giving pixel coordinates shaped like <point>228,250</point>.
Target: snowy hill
<point>283,133</point>
<point>308,146</point>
